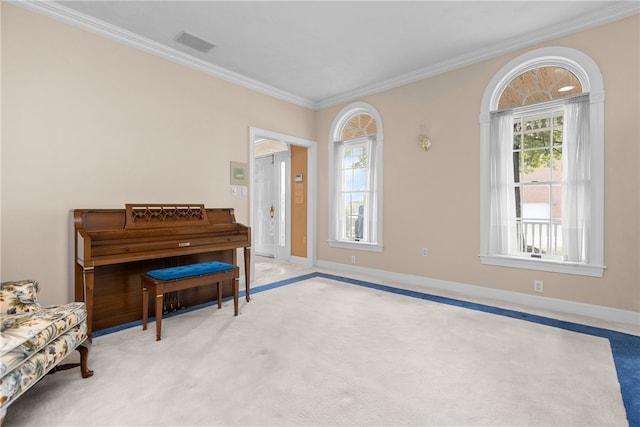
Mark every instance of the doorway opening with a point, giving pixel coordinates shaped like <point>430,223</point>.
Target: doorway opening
<point>282,198</point>
<point>272,223</point>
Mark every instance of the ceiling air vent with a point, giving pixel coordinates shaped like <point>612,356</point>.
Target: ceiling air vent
<point>194,42</point>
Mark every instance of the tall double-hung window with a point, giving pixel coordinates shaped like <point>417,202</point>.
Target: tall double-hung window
<point>355,179</point>
<point>541,165</point>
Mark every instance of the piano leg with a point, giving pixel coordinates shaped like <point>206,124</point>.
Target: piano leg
<point>235,296</point>
<point>247,272</point>
<point>88,298</point>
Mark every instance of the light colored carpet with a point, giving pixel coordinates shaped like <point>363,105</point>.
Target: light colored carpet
<point>323,352</point>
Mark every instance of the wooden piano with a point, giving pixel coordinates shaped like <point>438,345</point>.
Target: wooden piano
<point>114,246</point>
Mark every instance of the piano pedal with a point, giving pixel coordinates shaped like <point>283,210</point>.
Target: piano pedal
<point>179,306</point>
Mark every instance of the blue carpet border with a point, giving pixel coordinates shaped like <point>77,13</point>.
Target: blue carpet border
<point>625,348</point>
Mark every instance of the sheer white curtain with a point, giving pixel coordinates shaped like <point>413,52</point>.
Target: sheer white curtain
<point>502,212</point>
<point>576,199</point>
<point>338,198</point>
<point>371,199</point>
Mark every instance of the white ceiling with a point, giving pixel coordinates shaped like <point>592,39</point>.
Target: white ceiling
<point>320,53</point>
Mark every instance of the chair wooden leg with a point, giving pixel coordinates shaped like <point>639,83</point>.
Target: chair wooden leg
<point>84,355</point>
<point>84,370</point>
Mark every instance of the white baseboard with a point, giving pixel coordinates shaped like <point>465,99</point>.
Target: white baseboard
<point>568,307</point>
<point>300,260</point>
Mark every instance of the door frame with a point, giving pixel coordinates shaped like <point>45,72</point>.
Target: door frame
<point>312,151</point>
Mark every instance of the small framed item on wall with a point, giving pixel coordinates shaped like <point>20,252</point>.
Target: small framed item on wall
<point>239,173</point>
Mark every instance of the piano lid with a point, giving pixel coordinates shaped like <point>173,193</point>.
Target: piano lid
<point>146,231</point>
<point>138,219</point>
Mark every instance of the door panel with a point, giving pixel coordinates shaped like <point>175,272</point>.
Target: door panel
<point>265,205</point>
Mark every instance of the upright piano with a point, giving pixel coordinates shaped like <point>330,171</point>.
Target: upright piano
<point>114,246</point>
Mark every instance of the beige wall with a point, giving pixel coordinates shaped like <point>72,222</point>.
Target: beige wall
<point>91,123</point>
<point>432,199</point>
<point>88,122</point>
<point>0,145</point>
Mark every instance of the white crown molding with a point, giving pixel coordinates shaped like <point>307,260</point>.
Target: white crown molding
<point>616,11</point>
<point>613,13</point>
<point>462,290</point>
<point>112,32</point>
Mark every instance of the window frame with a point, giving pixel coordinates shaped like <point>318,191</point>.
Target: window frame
<point>587,71</point>
<point>339,122</point>
<point>547,109</point>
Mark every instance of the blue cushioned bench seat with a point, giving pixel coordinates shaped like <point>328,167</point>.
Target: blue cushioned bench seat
<point>175,273</point>
<point>184,277</point>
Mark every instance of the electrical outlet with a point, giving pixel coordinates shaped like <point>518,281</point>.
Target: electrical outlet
<point>425,252</point>
<point>353,259</point>
<point>537,285</point>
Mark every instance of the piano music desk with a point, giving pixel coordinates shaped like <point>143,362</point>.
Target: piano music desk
<point>178,278</point>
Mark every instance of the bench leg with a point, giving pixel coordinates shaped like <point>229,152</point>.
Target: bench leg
<point>159,299</point>
<point>145,306</point>
<point>219,287</point>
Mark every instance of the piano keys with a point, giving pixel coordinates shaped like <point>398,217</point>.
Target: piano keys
<point>114,246</point>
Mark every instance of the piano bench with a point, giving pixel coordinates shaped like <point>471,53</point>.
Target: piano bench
<point>184,277</point>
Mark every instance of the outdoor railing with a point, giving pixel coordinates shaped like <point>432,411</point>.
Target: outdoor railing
<point>538,237</point>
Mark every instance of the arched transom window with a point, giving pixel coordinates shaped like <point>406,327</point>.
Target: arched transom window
<point>362,124</point>
<point>539,85</point>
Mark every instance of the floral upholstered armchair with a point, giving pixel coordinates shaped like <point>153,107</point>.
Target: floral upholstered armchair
<point>35,339</point>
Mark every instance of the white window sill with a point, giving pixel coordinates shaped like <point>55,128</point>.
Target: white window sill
<point>543,265</point>
<point>359,246</point>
